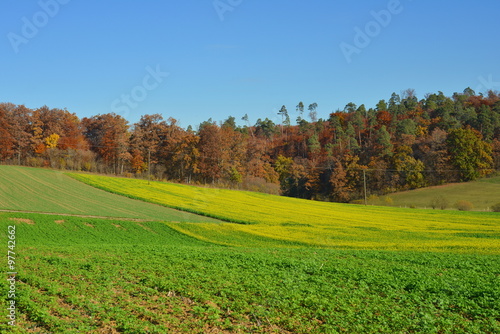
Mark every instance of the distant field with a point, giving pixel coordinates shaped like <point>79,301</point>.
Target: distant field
<point>87,275</point>
<point>482,194</point>
<point>318,224</point>
<point>42,190</point>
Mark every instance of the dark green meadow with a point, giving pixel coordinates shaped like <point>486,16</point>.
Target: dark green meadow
<point>83,275</point>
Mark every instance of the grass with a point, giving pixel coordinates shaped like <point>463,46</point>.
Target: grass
<point>483,194</point>
<point>95,275</point>
<point>43,190</point>
<point>261,217</point>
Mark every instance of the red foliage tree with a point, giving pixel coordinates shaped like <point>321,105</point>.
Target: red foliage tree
<point>6,139</point>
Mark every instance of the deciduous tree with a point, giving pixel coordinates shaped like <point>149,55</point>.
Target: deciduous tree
<point>6,139</point>
<point>469,153</point>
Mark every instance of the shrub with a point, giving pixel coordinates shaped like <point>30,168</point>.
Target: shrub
<point>259,184</point>
<point>235,176</point>
<point>388,200</point>
<point>87,166</point>
<point>495,207</point>
<point>464,205</point>
<point>35,162</point>
<point>439,202</point>
<point>372,199</point>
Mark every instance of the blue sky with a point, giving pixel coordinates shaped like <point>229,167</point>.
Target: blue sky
<point>236,57</point>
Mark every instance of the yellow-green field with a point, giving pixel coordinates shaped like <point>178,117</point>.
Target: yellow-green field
<point>254,218</point>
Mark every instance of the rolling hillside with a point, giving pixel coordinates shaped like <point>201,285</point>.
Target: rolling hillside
<point>482,194</point>
<point>42,190</point>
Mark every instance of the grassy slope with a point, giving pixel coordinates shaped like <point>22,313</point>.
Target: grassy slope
<point>42,190</point>
<point>482,194</point>
<point>313,223</point>
<point>77,278</point>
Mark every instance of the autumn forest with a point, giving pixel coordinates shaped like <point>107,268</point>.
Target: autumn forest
<point>402,143</point>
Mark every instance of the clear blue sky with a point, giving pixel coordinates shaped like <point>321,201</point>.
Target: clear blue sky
<point>86,55</point>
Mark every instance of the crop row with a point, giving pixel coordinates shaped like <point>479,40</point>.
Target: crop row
<point>192,289</point>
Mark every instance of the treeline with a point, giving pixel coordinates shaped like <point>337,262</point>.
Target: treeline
<point>403,143</point>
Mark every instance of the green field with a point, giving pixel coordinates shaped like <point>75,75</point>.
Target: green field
<point>87,275</point>
<point>317,224</point>
<point>42,190</point>
<point>483,194</point>
<point>270,265</point>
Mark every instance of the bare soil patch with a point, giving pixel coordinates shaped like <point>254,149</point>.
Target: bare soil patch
<point>23,220</point>
<point>146,228</point>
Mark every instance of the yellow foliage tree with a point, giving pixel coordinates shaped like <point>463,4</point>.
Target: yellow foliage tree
<point>52,141</point>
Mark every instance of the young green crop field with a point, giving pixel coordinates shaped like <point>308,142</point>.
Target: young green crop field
<point>89,275</point>
<point>270,264</point>
<point>317,224</point>
<point>483,194</point>
<point>43,190</point>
